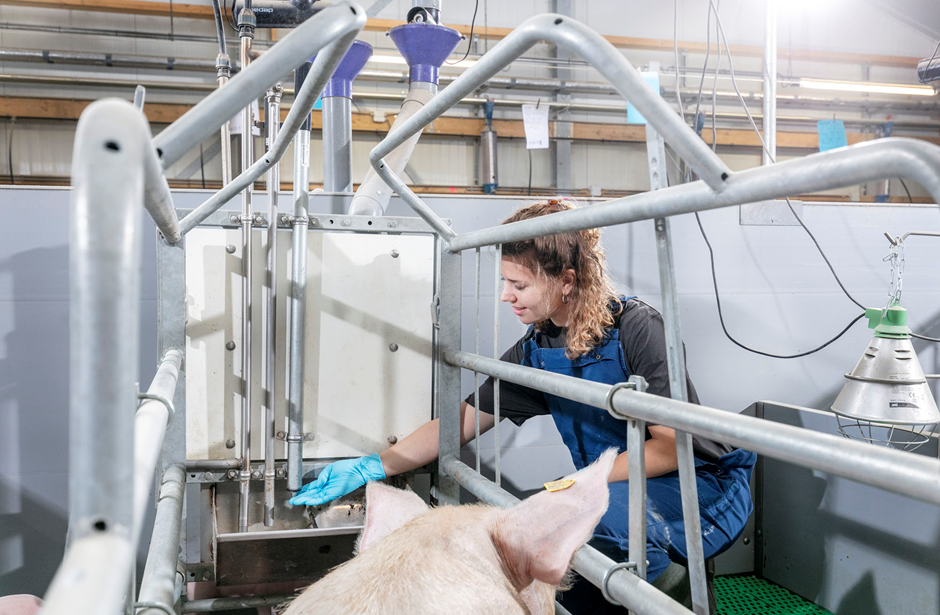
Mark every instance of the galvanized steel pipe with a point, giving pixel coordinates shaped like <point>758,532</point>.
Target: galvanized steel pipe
<point>160,580</point>
<point>324,65</point>
<point>603,57</point>
<point>107,197</point>
<point>895,471</point>
<point>770,83</point>
<point>331,24</point>
<point>298,311</point>
<point>847,166</point>
<point>150,423</point>
<point>269,334</point>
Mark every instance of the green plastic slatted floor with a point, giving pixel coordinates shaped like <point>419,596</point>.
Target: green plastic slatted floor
<point>745,595</point>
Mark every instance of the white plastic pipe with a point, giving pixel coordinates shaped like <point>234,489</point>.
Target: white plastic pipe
<point>373,194</point>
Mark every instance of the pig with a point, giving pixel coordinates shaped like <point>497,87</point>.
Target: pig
<point>462,559</point>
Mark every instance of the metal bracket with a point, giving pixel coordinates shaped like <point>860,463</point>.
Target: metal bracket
<point>630,566</point>
<point>170,410</point>
<point>286,437</point>
<point>635,383</point>
<point>436,311</point>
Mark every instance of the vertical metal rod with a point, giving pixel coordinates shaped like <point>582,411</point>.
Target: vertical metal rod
<point>298,308</point>
<point>447,286</point>
<point>272,114</point>
<point>225,133</point>
<point>496,286</point>
<point>248,151</point>
<point>636,464</point>
<point>476,350</point>
<point>675,357</point>
<point>770,82</point>
<point>337,144</point>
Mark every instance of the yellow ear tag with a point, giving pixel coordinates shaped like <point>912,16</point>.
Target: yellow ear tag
<point>558,485</point>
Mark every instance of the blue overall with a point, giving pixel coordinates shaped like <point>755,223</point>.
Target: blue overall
<point>723,487</point>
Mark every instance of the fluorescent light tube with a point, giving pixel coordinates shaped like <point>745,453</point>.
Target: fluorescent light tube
<point>871,88</point>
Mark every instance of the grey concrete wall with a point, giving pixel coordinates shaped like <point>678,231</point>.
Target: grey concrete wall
<point>777,295</point>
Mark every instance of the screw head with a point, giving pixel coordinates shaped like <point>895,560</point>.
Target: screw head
<point>207,576</point>
<point>281,435</point>
<point>747,540</point>
<point>230,346</point>
<point>392,223</point>
<point>230,443</point>
<point>395,253</point>
<point>392,439</point>
<point>346,222</point>
<point>232,474</point>
<point>393,347</point>
<point>234,219</point>
<point>256,474</point>
<point>285,219</point>
<point>309,437</point>
<point>281,473</point>
<point>259,220</point>
<point>230,248</point>
<point>207,475</point>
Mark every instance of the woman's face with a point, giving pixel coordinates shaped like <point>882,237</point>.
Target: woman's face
<point>533,298</point>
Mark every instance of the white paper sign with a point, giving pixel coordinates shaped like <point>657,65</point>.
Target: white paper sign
<point>535,121</point>
<point>236,122</point>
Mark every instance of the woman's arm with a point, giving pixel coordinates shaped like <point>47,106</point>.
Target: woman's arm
<point>421,447</point>
<point>660,454</point>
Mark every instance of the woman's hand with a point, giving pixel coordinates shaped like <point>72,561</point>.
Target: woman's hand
<point>338,479</point>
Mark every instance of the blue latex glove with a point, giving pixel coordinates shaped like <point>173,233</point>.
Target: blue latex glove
<point>340,478</point>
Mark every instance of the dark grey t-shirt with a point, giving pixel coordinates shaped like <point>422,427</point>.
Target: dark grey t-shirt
<point>642,336</point>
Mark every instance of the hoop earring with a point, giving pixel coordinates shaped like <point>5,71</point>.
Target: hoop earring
<point>564,298</point>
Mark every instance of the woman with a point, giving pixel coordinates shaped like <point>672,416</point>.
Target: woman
<point>580,327</point>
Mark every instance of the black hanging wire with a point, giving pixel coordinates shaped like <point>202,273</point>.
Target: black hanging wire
<point>909,197</point>
<point>470,38</point>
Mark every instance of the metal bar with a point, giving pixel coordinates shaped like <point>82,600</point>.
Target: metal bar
<point>223,67</point>
<point>337,144</point>
<point>157,197</point>
<point>637,595</point>
<point>248,157</point>
<point>210,605</point>
<point>770,83</point>
<point>600,54</point>
<point>915,476</point>
<point>497,274</point>
<point>150,424</point>
<point>476,350</point>
<point>212,465</point>
<point>856,164</point>
<point>140,95</point>
<point>675,358</point>
<point>298,311</point>
<point>447,384</point>
<point>159,583</point>
<point>88,580</point>
<point>323,67</point>
<point>105,236</point>
<point>636,466</point>
<point>269,343</point>
<point>331,24</point>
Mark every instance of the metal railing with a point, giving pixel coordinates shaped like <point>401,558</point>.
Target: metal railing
<point>719,187</point>
<point>118,172</point>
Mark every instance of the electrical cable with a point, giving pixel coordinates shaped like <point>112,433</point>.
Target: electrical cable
<point>230,18</point>
<point>723,39</point>
<point>909,197</point>
<point>10,149</point>
<point>473,21</point>
<point>721,319</point>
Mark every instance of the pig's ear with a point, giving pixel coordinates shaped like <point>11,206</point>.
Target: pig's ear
<point>387,509</point>
<point>538,538</point>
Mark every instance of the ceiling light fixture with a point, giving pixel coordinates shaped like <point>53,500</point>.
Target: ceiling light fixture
<point>871,88</point>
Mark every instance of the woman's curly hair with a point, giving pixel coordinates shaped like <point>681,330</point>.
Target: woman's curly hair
<point>589,311</point>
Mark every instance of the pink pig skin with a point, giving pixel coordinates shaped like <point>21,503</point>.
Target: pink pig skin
<point>462,559</point>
